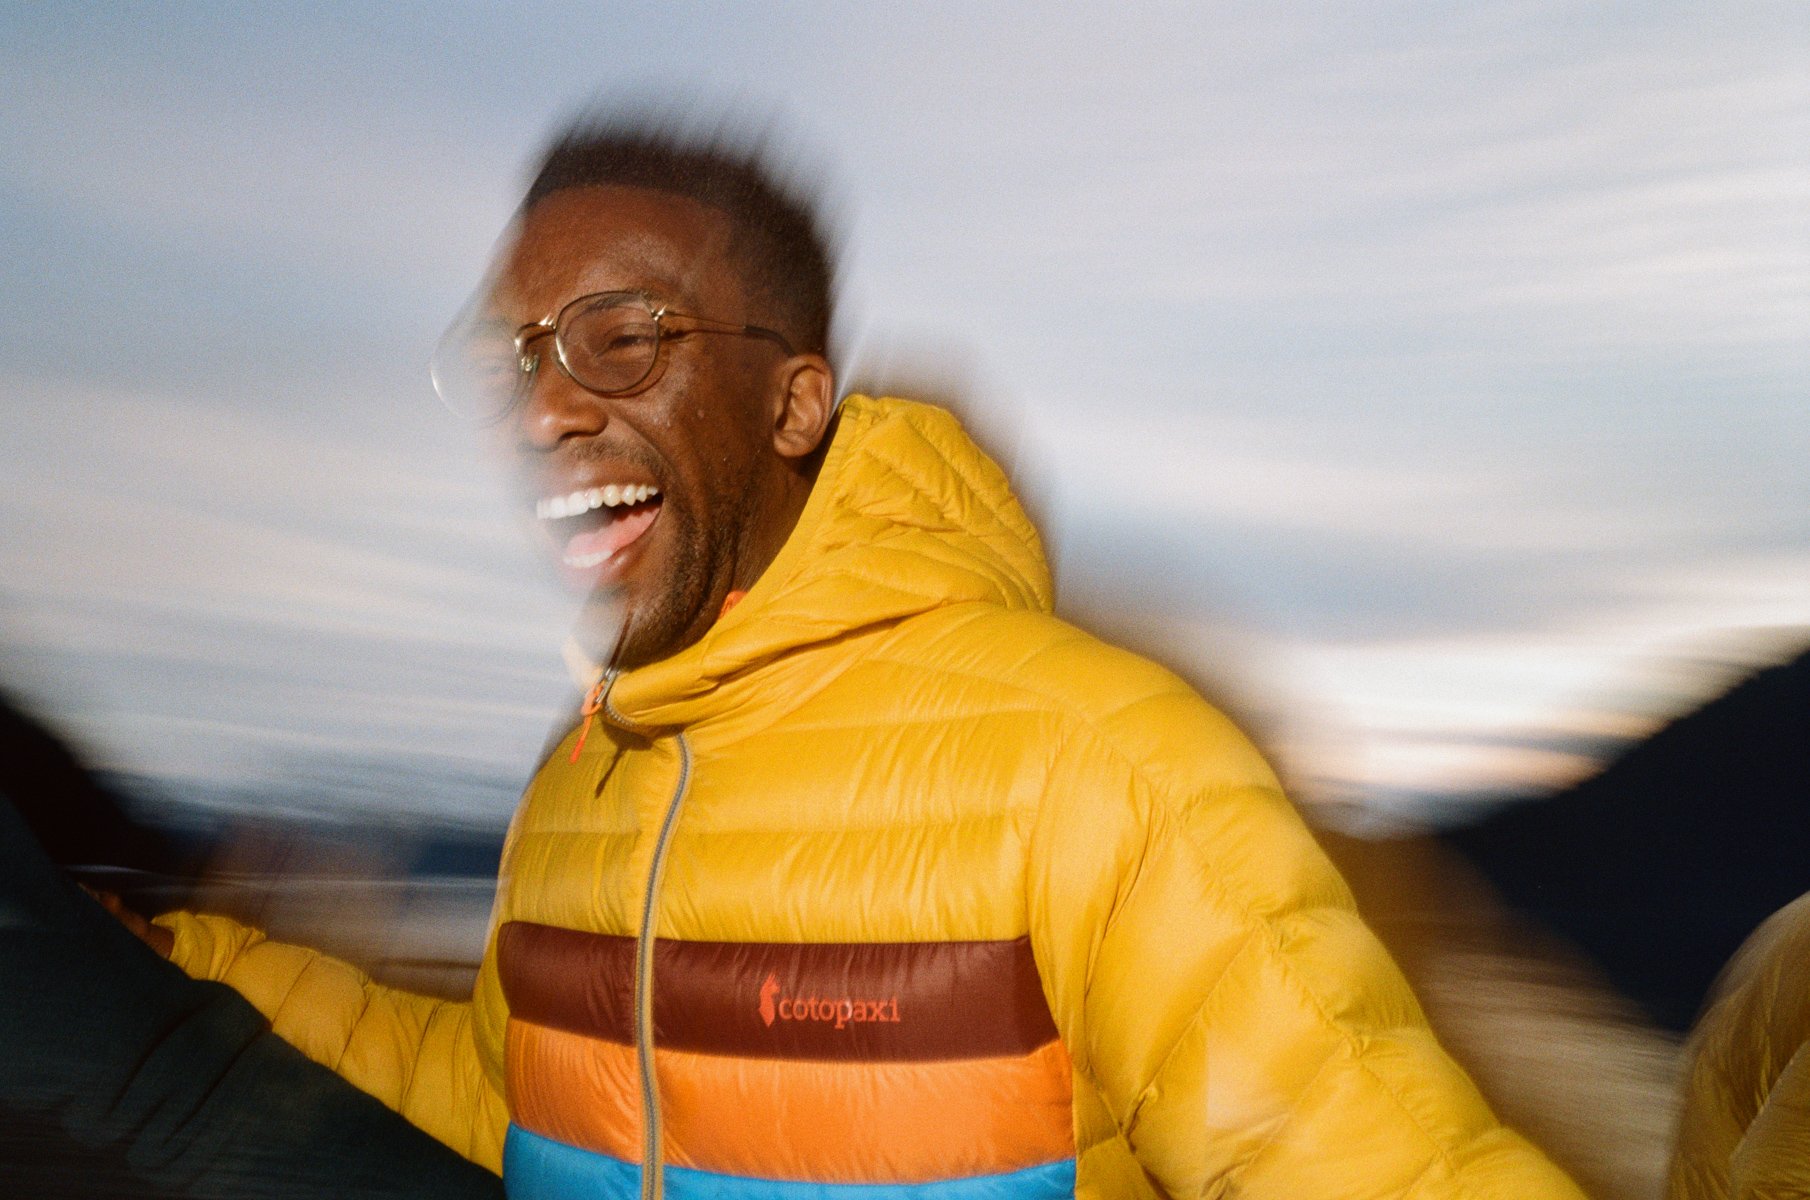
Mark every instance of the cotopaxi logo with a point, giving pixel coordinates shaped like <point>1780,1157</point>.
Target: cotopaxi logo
<point>842,1010</point>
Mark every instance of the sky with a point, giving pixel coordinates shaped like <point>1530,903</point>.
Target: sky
<point>1427,381</point>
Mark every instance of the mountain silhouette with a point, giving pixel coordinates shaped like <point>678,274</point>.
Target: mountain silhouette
<point>79,816</point>
<point>1662,864</point>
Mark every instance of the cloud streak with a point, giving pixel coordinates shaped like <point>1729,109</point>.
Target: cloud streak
<point>1454,356</point>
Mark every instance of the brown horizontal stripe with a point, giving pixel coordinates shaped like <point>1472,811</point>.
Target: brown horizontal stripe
<point>833,1001</point>
<point>564,979</point>
<point>893,1122</point>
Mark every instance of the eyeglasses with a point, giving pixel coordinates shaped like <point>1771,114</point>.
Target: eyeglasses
<point>607,343</point>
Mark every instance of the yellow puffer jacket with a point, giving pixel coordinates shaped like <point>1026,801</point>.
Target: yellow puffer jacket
<point>946,898</point>
<point>1744,1133</point>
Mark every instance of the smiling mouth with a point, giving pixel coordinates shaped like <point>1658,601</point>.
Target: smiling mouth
<point>594,525</point>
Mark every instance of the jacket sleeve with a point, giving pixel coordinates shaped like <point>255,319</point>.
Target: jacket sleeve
<point>417,1054</point>
<point>1744,1128</point>
<point>1244,1029</point>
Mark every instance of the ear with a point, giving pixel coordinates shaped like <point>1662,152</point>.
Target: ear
<point>806,400</point>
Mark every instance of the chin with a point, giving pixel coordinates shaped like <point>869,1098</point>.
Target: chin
<point>652,612</point>
<point>659,630</point>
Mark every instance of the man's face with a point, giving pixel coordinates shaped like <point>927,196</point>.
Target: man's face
<point>696,437</point>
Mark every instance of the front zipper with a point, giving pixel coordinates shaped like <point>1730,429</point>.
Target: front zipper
<point>652,1159</point>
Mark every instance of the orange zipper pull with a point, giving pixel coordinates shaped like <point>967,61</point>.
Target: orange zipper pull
<point>593,701</point>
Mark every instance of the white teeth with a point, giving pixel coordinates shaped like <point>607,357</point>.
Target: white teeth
<point>610,495</point>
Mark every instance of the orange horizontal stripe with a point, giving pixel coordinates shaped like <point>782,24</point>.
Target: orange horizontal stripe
<point>816,1122</point>
<point>573,1089</point>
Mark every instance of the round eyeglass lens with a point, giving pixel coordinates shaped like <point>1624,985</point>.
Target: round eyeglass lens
<point>609,343</point>
<point>477,372</point>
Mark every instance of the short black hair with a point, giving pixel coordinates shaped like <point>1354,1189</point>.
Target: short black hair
<point>779,240</point>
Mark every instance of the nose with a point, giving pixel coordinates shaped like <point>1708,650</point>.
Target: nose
<point>553,408</point>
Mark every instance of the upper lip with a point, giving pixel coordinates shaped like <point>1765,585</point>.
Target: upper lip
<point>583,500</point>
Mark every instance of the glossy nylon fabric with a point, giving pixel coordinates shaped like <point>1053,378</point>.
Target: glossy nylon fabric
<point>1744,1132</point>
<point>547,1169</point>
<point>770,1055</point>
<point>809,1001</point>
<point>892,740</point>
<point>829,1122</point>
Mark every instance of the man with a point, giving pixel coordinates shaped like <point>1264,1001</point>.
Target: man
<point>861,874</point>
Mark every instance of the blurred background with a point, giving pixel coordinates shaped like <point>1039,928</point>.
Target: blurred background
<point>1426,382</point>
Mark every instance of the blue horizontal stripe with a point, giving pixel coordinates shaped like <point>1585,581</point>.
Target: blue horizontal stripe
<point>538,1168</point>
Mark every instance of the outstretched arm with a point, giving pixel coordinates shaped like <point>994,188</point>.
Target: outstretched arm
<point>416,1054</point>
<point>1241,1025</point>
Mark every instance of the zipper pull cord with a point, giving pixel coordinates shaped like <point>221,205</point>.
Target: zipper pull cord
<point>593,701</point>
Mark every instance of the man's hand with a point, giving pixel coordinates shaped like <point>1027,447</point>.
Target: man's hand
<point>155,936</point>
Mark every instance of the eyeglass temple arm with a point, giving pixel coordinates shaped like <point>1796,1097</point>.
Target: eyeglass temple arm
<point>706,325</point>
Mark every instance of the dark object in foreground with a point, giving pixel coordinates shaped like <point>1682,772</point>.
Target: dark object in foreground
<point>122,1076</point>
<point>74,814</point>
<point>1661,865</point>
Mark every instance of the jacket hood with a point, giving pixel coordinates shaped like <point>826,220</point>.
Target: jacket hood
<point>907,515</point>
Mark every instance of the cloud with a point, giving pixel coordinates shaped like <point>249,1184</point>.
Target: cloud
<point>211,156</point>
<point>1447,346</point>
<point>201,589</point>
<point>171,497</point>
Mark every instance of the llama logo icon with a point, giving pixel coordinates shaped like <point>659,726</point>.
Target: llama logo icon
<point>768,990</point>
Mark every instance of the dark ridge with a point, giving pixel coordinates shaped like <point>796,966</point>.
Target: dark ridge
<point>1661,865</point>
<point>152,842</point>
<point>79,816</point>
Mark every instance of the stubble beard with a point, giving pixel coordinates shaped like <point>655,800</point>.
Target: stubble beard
<point>657,626</point>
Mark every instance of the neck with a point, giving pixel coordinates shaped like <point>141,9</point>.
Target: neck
<point>768,531</point>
